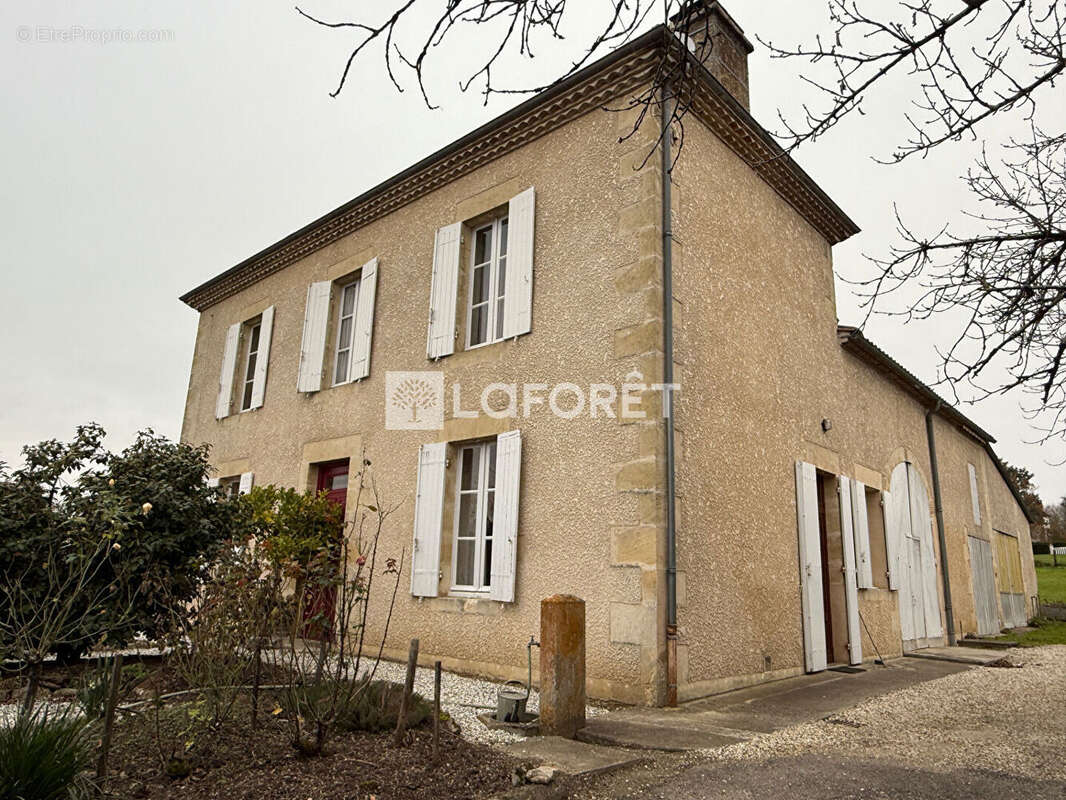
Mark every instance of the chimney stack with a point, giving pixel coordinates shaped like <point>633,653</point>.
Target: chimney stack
<point>726,52</point>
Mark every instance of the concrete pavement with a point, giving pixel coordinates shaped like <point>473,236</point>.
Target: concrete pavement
<point>739,715</point>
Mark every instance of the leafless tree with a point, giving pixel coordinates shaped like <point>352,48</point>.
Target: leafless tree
<point>963,63</point>
<point>31,630</point>
<point>411,43</point>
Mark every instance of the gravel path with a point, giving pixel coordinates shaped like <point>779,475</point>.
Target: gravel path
<point>1006,720</point>
<point>463,699</point>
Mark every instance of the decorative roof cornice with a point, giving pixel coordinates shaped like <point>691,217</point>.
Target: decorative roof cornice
<point>631,65</point>
<point>716,108</point>
<point>591,88</point>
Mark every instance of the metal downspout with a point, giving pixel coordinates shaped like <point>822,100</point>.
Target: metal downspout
<point>669,106</point>
<point>949,615</point>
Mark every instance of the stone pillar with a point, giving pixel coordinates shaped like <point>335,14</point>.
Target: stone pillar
<point>562,665</point>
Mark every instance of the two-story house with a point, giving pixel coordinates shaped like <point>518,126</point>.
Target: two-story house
<point>739,533</point>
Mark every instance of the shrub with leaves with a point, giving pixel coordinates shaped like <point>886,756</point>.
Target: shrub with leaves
<point>293,528</point>
<point>178,528</point>
<point>148,507</point>
<point>42,757</point>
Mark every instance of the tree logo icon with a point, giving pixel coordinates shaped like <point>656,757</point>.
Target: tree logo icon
<point>414,400</point>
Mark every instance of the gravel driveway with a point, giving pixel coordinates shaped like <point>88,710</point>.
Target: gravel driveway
<point>464,698</point>
<point>1009,720</point>
<point>985,732</point>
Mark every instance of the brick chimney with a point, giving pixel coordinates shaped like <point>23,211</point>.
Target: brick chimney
<point>727,54</point>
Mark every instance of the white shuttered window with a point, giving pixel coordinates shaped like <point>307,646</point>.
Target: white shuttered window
<point>485,535</point>
<point>499,301</point>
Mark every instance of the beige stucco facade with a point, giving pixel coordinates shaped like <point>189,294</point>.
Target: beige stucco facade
<point>760,366</point>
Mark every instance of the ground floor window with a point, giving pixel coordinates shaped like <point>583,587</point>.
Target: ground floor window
<point>475,513</point>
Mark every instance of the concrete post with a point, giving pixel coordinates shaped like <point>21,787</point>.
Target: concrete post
<point>562,665</point>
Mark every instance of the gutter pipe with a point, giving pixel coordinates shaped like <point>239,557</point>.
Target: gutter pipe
<point>669,105</point>
<point>949,615</point>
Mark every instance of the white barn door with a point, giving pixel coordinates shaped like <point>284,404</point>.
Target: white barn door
<point>912,534</point>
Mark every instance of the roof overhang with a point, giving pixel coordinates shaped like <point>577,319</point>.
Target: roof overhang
<point>853,341</point>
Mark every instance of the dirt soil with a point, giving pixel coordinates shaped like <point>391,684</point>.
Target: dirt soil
<point>234,765</point>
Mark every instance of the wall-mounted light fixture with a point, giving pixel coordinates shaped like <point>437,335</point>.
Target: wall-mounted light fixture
<point>826,425</point>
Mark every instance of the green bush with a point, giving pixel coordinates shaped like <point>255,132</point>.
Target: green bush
<point>42,757</point>
<point>368,706</point>
<point>145,519</point>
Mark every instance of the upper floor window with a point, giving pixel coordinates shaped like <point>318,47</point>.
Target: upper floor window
<point>488,284</point>
<point>254,331</point>
<point>346,319</point>
<point>245,357</point>
<point>349,304</point>
<point>493,260</point>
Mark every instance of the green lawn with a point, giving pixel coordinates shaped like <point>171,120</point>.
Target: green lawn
<point>1045,631</point>
<point>1051,581</point>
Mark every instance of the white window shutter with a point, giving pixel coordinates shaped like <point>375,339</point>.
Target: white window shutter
<point>364,320</point>
<point>891,540</point>
<point>974,497</point>
<point>245,485</point>
<point>925,571</point>
<point>518,299</point>
<point>429,508</point>
<point>865,572</point>
<point>444,287</point>
<point>810,564</point>
<point>225,378</point>
<point>851,594</point>
<point>262,358</point>
<point>313,343</point>
<point>505,528</point>
<point>901,528</point>
<point>213,483</point>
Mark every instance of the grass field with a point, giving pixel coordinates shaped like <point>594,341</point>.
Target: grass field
<point>1051,581</point>
<point>1045,631</point>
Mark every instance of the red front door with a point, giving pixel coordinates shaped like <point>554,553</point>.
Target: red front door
<point>332,479</point>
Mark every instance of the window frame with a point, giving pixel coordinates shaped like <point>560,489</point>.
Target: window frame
<point>230,486</point>
<point>254,330</point>
<point>485,453</point>
<point>354,285</point>
<point>495,305</point>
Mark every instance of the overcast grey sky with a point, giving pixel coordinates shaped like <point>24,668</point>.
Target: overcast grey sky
<point>134,171</point>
